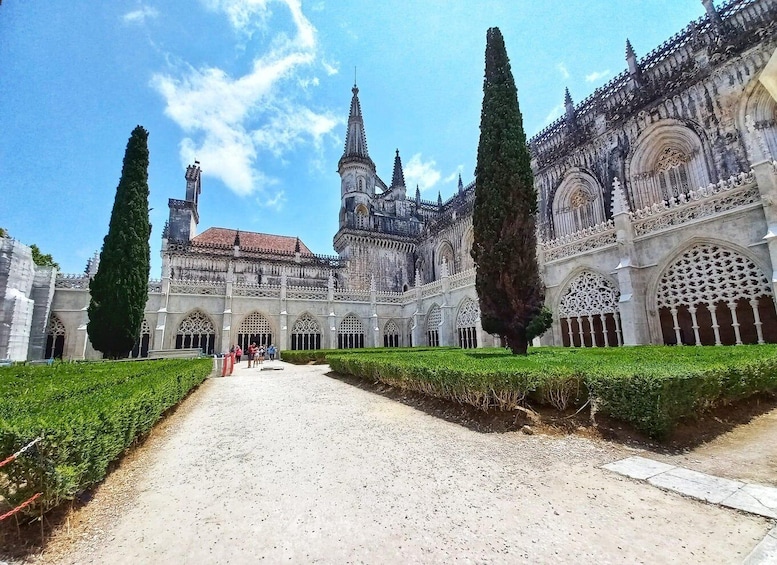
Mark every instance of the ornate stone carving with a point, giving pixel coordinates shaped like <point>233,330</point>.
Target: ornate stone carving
<point>589,294</point>
<point>468,315</point>
<point>707,274</point>
<point>306,324</point>
<point>196,323</point>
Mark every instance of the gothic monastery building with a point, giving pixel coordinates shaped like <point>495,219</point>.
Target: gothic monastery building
<point>657,224</point>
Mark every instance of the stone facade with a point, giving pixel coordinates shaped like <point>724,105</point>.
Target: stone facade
<point>657,224</point>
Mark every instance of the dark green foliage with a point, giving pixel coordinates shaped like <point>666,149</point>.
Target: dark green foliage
<point>505,243</point>
<point>650,387</point>
<point>119,290</point>
<point>42,260</point>
<point>88,415</point>
<point>539,324</point>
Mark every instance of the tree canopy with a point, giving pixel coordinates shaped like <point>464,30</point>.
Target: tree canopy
<point>508,284</point>
<point>119,289</point>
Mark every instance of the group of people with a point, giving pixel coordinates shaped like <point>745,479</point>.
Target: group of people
<point>255,354</point>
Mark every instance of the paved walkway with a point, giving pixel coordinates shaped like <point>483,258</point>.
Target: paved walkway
<point>747,497</point>
<point>294,466</point>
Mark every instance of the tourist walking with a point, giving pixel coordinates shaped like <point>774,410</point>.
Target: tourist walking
<point>251,354</point>
<point>238,353</point>
<point>271,352</point>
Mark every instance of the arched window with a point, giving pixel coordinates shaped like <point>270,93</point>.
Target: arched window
<point>668,162</point>
<point>254,329</point>
<point>711,295</point>
<point>588,312</point>
<point>578,204</point>
<point>433,322</point>
<point>391,337</point>
<point>759,123</point>
<point>144,339</point>
<point>306,333</point>
<point>350,335</point>
<point>362,217</point>
<point>445,257</point>
<point>196,331</point>
<point>55,338</point>
<point>466,320</point>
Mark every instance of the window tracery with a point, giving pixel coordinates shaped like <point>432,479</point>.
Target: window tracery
<point>433,321</point>
<point>667,162</point>
<point>196,331</point>
<point>466,324</point>
<point>588,311</point>
<point>306,333</point>
<point>706,294</point>
<point>391,334</point>
<point>55,338</point>
<point>350,334</point>
<point>578,204</point>
<point>255,328</point>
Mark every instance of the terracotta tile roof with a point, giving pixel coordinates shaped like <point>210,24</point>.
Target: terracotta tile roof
<point>224,236</point>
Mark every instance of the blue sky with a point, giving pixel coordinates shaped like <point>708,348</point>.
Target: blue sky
<point>259,91</point>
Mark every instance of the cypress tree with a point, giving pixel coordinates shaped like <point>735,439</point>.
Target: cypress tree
<point>119,289</point>
<point>508,284</point>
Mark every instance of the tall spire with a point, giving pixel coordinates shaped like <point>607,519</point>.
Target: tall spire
<point>461,185</point>
<point>569,106</point>
<point>355,139</point>
<point>398,178</point>
<point>439,200</point>
<point>631,59</point>
<point>417,197</point>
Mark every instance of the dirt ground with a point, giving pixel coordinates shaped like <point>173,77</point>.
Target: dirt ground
<point>298,466</point>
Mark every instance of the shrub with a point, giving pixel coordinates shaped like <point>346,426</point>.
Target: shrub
<point>650,387</point>
<point>88,415</point>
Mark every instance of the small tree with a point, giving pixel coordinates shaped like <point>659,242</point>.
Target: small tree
<point>119,289</point>
<point>41,259</point>
<point>508,284</point>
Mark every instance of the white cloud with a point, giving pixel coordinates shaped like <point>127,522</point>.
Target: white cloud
<point>562,68</point>
<point>553,114</point>
<point>247,16</point>
<point>275,202</point>
<point>231,121</point>
<point>454,176</point>
<point>423,174</point>
<point>330,68</point>
<point>593,77</point>
<point>140,15</point>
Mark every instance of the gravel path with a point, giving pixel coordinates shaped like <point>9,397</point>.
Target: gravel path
<point>298,467</point>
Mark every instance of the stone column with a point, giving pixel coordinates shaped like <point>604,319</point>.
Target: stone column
<point>765,171</point>
<point>282,338</point>
<point>419,338</point>
<point>82,337</point>
<point>158,337</point>
<point>373,325</point>
<point>447,322</point>
<point>633,311</point>
<point>331,329</point>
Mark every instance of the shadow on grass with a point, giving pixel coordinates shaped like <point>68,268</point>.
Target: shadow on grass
<point>689,433</point>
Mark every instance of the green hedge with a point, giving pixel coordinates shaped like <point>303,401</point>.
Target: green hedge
<point>650,387</point>
<point>319,356</point>
<point>88,414</point>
